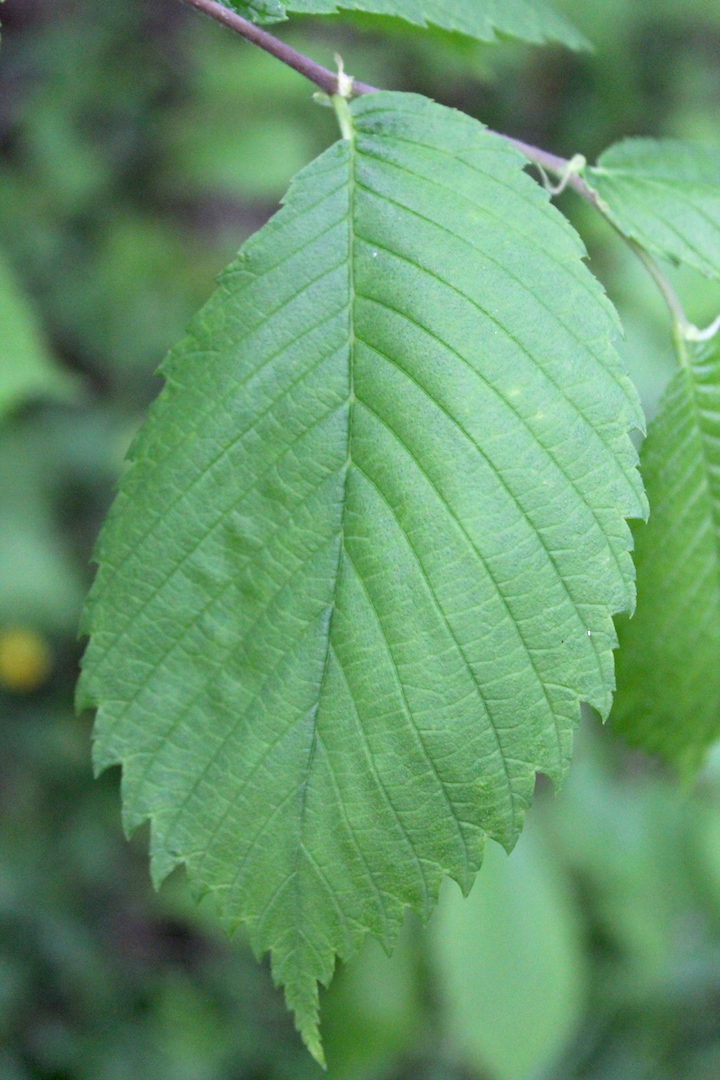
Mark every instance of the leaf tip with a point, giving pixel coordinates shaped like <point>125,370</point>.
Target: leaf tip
<point>305,1004</point>
<point>311,1038</point>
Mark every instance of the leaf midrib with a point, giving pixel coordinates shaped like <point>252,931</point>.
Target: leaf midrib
<point>332,607</point>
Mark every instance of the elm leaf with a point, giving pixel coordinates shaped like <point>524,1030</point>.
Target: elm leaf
<point>361,570</point>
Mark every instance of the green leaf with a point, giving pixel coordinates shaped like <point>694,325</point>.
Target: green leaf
<point>510,964</point>
<point>39,582</point>
<point>529,20</point>
<point>360,573</point>
<point>668,697</point>
<point>664,194</point>
<point>26,368</point>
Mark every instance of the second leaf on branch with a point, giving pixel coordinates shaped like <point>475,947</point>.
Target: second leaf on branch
<point>668,699</point>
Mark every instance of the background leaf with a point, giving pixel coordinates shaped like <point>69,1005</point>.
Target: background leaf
<point>529,20</point>
<point>246,127</point>
<point>668,698</point>
<point>510,963</point>
<point>361,571</point>
<point>666,195</point>
<point>26,368</point>
<point>39,584</point>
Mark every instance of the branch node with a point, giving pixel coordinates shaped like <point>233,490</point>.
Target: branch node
<point>574,167</point>
<point>344,81</point>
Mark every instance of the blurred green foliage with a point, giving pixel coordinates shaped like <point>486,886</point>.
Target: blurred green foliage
<point>26,367</point>
<point>139,146</point>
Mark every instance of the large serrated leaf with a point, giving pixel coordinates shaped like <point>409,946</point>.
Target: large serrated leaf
<point>361,571</point>
<point>665,194</point>
<point>529,20</point>
<point>668,697</point>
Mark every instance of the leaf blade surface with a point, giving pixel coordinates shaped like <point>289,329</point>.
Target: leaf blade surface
<point>534,21</point>
<point>362,568</point>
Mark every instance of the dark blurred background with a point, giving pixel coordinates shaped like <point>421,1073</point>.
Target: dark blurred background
<point>139,146</point>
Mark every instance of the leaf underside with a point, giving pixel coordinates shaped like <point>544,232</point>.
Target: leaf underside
<point>668,698</point>
<point>665,194</point>
<point>534,21</point>
<point>361,570</point>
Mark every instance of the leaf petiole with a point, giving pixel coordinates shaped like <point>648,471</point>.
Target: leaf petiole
<point>344,116</point>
